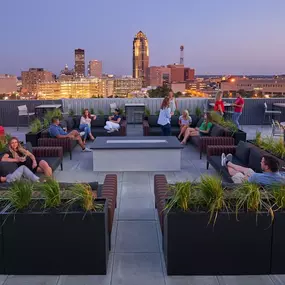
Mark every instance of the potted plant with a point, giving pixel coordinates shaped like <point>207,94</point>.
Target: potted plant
<point>198,112</point>
<point>35,132</point>
<point>270,145</point>
<point>229,127</point>
<point>209,230</point>
<point>146,113</point>
<point>59,235</point>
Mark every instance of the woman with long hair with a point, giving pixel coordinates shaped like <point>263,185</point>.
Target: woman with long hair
<point>203,130</point>
<point>164,117</point>
<point>219,104</point>
<point>18,154</point>
<point>85,124</point>
<point>184,122</point>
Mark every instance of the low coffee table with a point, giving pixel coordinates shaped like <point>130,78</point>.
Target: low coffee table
<point>136,154</point>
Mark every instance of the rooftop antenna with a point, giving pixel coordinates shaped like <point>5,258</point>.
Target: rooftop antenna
<point>181,54</point>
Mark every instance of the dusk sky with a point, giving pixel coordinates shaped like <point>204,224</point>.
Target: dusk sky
<point>220,36</point>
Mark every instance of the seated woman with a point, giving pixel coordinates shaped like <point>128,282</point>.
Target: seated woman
<point>85,124</point>
<point>184,122</point>
<point>114,122</point>
<point>21,172</point>
<point>204,129</point>
<point>16,153</point>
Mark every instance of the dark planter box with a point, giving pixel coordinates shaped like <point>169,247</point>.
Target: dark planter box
<point>231,247</point>
<point>239,136</point>
<point>33,138</point>
<point>278,246</point>
<point>1,249</point>
<point>53,243</point>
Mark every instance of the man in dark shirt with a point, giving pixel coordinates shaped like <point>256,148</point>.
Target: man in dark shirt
<point>56,131</point>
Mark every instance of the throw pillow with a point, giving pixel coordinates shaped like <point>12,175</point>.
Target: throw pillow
<point>255,156</point>
<point>216,131</point>
<point>99,122</point>
<point>201,120</point>
<point>242,152</point>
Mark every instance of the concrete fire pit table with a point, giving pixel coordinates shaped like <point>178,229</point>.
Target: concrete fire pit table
<point>136,154</point>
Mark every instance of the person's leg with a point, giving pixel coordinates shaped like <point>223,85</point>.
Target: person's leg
<point>167,130</point>
<point>232,171</point>
<point>88,131</point>
<point>187,134</point>
<point>30,175</point>
<point>84,128</point>
<point>237,120</point>
<point>45,168</point>
<point>108,126</point>
<point>182,131</point>
<point>115,126</point>
<point>238,168</point>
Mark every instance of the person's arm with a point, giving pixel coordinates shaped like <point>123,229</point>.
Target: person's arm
<point>168,113</point>
<point>208,129</point>
<point>94,117</point>
<point>57,134</point>
<point>118,121</point>
<point>220,108</point>
<point>6,158</point>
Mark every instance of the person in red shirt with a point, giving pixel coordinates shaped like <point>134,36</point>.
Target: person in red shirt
<point>219,104</point>
<point>238,106</point>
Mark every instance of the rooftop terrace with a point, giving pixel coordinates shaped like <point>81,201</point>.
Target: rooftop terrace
<point>136,256</point>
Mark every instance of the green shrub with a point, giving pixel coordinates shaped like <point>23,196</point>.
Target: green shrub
<point>147,111</point>
<point>71,113</point>
<point>100,112</point>
<point>35,126</point>
<point>198,112</point>
<point>176,113</point>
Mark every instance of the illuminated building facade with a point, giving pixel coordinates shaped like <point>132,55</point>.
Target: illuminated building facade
<point>124,86</point>
<point>95,68</point>
<point>140,56</point>
<point>84,88</point>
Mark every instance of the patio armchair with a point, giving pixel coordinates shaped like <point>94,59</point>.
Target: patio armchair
<point>67,144</point>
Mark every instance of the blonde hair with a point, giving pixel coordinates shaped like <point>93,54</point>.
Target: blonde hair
<point>187,114</point>
<point>219,95</point>
<point>19,148</point>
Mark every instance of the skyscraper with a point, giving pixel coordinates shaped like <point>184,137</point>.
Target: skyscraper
<point>140,56</point>
<point>95,68</point>
<point>79,67</point>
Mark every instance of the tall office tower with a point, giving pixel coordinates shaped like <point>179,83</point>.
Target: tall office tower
<point>140,56</point>
<point>31,79</point>
<point>95,68</point>
<point>79,67</point>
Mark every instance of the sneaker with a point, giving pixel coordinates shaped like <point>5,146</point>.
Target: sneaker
<point>87,149</point>
<point>116,130</point>
<point>110,131</point>
<point>223,159</point>
<point>82,134</point>
<point>229,157</point>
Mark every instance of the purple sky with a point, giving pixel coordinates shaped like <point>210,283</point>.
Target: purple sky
<point>220,36</point>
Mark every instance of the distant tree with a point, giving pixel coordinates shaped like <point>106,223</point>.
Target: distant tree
<point>178,94</point>
<point>159,92</point>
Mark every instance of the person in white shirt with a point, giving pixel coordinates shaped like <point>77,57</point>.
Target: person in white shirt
<point>114,122</point>
<point>172,102</point>
<point>164,117</point>
<point>85,124</point>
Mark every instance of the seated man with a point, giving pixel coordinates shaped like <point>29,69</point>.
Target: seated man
<point>56,131</point>
<point>21,172</point>
<point>114,122</point>
<point>269,166</point>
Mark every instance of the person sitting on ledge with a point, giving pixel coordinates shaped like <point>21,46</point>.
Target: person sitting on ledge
<point>114,122</point>
<point>56,131</point>
<point>204,129</point>
<point>21,172</point>
<point>240,174</point>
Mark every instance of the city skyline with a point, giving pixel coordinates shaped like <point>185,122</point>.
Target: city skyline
<point>244,38</point>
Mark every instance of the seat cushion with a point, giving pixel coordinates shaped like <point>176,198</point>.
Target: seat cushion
<point>53,162</point>
<point>175,131</point>
<point>7,168</point>
<point>242,152</point>
<point>199,123</point>
<point>195,120</point>
<point>152,121</point>
<point>155,131</point>
<point>69,123</point>
<point>101,132</point>
<point>76,120</point>
<point>174,121</point>
<point>255,156</point>
<point>216,131</point>
<point>99,122</point>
